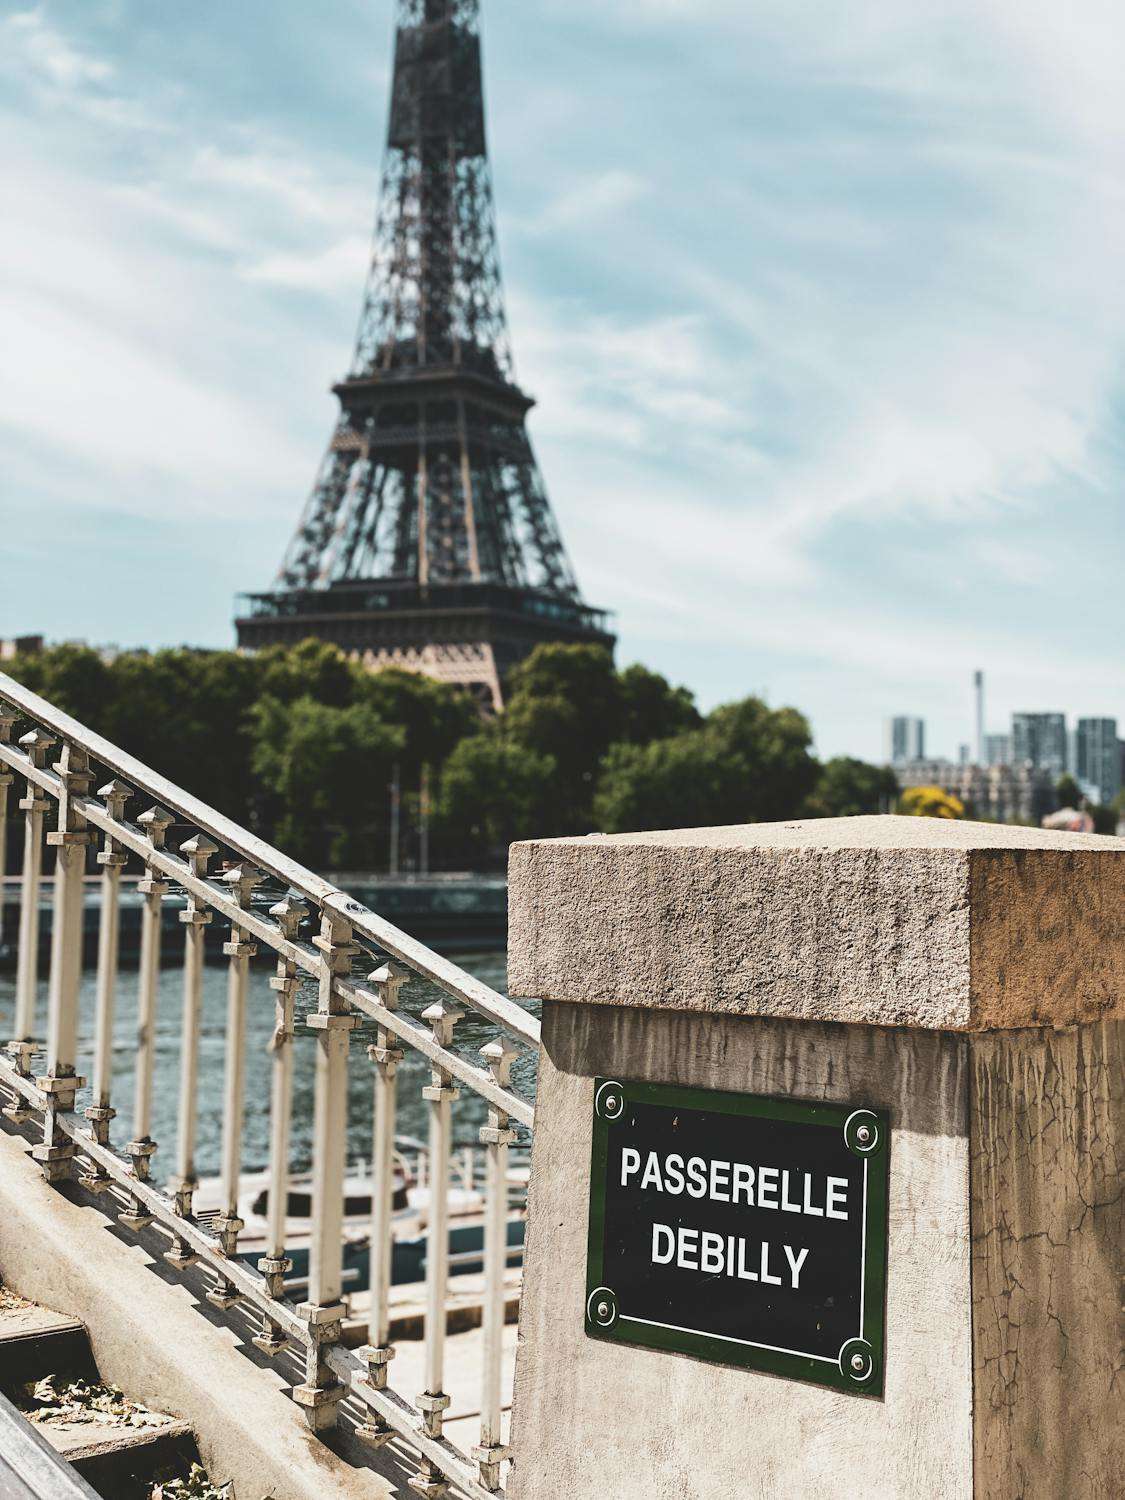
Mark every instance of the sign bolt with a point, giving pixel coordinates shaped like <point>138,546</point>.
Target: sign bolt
<point>603,1309</point>
<point>863,1134</point>
<point>611,1102</point>
<point>857,1362</point>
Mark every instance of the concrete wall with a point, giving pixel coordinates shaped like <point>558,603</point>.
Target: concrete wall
<point>670,1427</point>
<point>871,961</point>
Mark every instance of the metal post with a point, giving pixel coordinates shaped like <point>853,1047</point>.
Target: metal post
<point>321,1393</point>
<point>195,918</point>
<point>142,1147</point>
<point>424,823</point>
<point>386,1056</point>
<point>396,814</point>
<point>33,805</point>
<point>496,1137</point>
<point>275,1263</point>
<point>56,1154</point>
<point>8,717</point>
<point>112,859</point>
<point>439,1093</point>
<point>239,950</point>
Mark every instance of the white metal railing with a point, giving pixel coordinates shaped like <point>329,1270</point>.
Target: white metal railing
<point>348,942</point>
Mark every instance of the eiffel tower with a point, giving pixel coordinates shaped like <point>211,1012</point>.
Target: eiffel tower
<point>428,541</point>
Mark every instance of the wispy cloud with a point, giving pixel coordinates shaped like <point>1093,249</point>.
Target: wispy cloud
<point>823,309</point>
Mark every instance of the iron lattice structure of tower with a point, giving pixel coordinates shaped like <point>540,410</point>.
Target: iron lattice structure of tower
<point>428,541</point>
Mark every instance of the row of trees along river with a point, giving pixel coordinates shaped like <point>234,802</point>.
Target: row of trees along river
<point>312,751</point>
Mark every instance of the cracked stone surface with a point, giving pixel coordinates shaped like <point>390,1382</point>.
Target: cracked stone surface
<point>1047,1250</point>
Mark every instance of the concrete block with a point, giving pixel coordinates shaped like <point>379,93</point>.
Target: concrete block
<point>968,979</point>
<point>886,920</point>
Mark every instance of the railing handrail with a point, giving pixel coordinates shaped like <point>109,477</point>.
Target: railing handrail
<point>30,1469</point>
<point>423,960</point>
<point>347,996</point>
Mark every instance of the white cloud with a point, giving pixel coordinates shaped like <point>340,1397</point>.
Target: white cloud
<point>823,309</point>
<point>28,35</point>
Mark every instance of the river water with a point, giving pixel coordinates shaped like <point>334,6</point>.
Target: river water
<point>471,1034</point>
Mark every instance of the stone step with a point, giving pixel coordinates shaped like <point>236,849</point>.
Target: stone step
<point>122,1462</point>
<point>34,1342</point>
<point>120,1459</point>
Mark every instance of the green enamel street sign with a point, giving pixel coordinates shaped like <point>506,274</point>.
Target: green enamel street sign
<point>742,1229</point>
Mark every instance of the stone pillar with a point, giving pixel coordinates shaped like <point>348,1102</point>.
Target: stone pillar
<point>969,980</point>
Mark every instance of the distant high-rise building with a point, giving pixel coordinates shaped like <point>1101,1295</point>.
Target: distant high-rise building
<point>1039,740</point>
<point>998,750</point>
<point>978,718</point>
<point>963,753</point>
<point>904,738</point>
<point>1097,762</point>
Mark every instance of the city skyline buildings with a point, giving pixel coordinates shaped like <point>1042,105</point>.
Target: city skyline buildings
<point>1040,740</point>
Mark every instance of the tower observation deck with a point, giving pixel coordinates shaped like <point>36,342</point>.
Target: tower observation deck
<point>428,541</point>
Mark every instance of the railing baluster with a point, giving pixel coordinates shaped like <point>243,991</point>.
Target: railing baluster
<point>56,1154</point>
<point>112,859</point>
<point>496,1137</point>
<point>142,1147</point>
<point>386,1056</point>
<point>8,717</point>
<point>321,1393</point>
<point>316,1326</point>
<point>195,918</point>
<point>275,1263</point>
<point>240,950</point>
<point>33,804</point>
<point>439,1094</point>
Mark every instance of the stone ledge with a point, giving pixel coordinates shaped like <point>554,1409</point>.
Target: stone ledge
<point>879,920</point>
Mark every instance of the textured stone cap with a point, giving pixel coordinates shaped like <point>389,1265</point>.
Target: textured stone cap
<point>885,920</point>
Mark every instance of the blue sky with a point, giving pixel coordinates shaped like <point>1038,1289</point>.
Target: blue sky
<point>823,306</point>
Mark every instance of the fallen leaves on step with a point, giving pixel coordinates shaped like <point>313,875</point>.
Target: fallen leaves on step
<point>196,1486</point>
<point>49,1400</point>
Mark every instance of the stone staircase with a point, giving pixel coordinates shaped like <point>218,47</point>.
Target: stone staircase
<point>124,1451</point>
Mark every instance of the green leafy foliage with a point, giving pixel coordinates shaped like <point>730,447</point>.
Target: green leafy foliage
<point>325,772</point>
<point>493,792</point>
<point>565,702</point>
<point>747,763</point>
<point>849,788</point>
<point>302,744</point>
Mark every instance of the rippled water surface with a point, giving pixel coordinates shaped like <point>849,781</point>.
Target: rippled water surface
<point>471,1033</point>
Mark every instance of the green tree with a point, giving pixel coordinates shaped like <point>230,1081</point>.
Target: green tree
<point>326,772</point>
<point>651,709</point>
<point>930,802</point>
<point>768,749</point>
<point>310,669</point>
<point>565,703</point>
<point>748,763</point>
<point>848,788</point>
<point>73,678</point>
<point>432,716</point>
<point>683,782</point>
<point>493,791</point>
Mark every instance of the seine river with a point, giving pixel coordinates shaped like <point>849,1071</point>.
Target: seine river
<point>470,1035</point>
